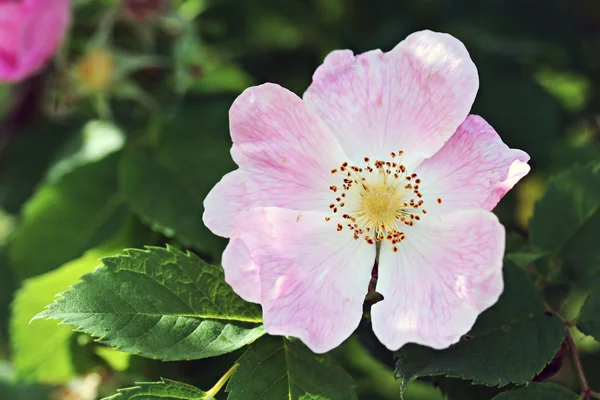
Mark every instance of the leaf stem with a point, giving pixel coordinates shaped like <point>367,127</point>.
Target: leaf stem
<point>586,391</point>
<point>221,382</point>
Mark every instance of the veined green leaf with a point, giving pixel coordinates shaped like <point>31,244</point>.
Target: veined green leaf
<point>567,218</point>
<point>538,391</point>
<point>164,390</point>
<point>160,303</point>
<point>276,368</point>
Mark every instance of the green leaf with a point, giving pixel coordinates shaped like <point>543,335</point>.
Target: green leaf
<point>164,390</point>
<point>160,303</point>
<point>117,360</point>
<point>52,361</point>
<point>97,140</point>
<point>567,218</point>
<point>510,342</point>
<point>24,162</point>
<point>66,218</point>
<point>588,320</point>
<point>531,120</point>
<point>522,259</point>
<point>11,389</point>
<point>538,391</point>
<point>166,182</point>
<point>277,368</point>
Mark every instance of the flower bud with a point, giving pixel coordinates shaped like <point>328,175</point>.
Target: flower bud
<point>143,9</point>
<point>95,71</point>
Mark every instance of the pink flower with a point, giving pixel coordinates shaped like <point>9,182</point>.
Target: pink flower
<point>379,161</point>
<point>30,33</point>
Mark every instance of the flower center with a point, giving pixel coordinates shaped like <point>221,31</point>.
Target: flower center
<point>379,204</point>
<point>378,200</point>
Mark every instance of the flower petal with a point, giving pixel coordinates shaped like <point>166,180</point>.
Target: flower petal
<point>30,33</point>
<point>274,133</point>
<point>312,278</point>
<point>241,272</point>
<point>473,170</point>
<point>285,153</point>
<point>241,190</point>
<point>412,98</point>
<point>446,272</point>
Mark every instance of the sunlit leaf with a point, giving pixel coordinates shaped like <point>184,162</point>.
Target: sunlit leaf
<point>164,390</point>
<point>52,361</point>
<point>66,218</point>
<point>159,303</point>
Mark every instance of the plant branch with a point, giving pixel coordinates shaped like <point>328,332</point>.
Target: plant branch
<point>586,391</point>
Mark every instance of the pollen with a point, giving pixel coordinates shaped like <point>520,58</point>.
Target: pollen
<point>382,200</point>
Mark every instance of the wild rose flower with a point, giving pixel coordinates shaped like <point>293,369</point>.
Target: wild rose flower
<point>30,33</point>
<point>379,161</point>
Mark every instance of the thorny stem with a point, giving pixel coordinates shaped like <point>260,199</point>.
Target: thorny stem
<point>221,382</point>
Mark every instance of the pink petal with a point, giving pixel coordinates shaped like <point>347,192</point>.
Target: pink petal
<point>412,98</point>
<point>285,153</point>
<point>241,190</point>
<point>473,170</point>
<point>241,272</point>
<point>30,33</point>
<point>445,273</point>
<point>312,279</point>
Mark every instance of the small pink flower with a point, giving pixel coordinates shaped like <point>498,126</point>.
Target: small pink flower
<point>30,33</point>
<point>379,161</point>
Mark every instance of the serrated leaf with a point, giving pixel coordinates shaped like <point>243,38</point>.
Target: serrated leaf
<point>510,342</point>
<point>166,183</point>
<point>66,218</point>
<point>160,303</point>
<point>52,361</point>
<point>567,217</point>
<point>588,320</point>
<point>277,368</point>
<point>164,390</point>
<point>538,391</point>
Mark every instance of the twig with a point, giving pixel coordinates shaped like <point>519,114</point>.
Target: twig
<point>586,391</point>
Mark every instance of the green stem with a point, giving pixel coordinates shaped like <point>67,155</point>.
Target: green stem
<point>381,379</point>
<point>221,382</point>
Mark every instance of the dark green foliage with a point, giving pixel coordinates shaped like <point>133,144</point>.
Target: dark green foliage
<point>276,368</point>
<point>510,343</point>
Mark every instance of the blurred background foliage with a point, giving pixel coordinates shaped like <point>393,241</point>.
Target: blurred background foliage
<point>116,144</point>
